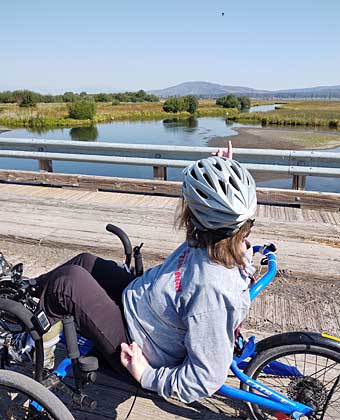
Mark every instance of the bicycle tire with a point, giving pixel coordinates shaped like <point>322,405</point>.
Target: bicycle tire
<point>312,391</point>
<point>18,312</point>
<point>16,382</point>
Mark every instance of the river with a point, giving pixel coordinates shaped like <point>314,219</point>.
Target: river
<point>191,132</point>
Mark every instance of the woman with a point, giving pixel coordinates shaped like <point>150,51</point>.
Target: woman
<point>182,314</point>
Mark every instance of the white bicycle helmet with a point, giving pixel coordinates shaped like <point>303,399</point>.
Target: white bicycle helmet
<point>220,193</point>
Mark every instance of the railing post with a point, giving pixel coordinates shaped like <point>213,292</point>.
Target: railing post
<point>160,172</point>
<point>299,182</point>
<point>45,165</point>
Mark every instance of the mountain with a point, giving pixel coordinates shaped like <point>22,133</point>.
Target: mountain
<point>313,92</point>
<point>214,90</point>
<point>205,90</point>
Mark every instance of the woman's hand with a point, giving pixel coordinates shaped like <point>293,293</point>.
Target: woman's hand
<point>228,154</point>
<point>133,360</point>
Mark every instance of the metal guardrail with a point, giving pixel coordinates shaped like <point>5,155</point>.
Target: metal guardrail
<point>299,164</point>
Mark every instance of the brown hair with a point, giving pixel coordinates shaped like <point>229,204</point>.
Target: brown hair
<point>226,251</point>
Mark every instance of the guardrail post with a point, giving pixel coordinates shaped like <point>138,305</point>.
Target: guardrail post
<point>45,165</point>
<point>299,182</point>
<point>160,172</point>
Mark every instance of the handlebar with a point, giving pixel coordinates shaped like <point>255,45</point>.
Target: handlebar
<point>125,241</point>
<point>262,283</point>
<point>139,268</point>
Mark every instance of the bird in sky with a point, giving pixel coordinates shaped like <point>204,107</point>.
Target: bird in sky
<point>222,13</point>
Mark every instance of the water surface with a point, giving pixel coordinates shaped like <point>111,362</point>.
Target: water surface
<point>190,132</point>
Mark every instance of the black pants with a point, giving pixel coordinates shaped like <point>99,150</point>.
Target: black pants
<point>90,289</point>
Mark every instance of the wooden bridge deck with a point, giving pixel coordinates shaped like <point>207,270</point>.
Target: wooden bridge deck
<point>43,226</point>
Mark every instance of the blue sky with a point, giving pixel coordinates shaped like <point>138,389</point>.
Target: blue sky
<point>110,44</point>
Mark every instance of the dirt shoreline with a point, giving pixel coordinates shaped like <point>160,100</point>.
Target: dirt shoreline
<point>275,138</point>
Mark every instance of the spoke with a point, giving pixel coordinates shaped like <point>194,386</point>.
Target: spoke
<point>320,367</point>
<point>328,369</point>
<point>332,380</point>
<point>278,380</point>
<point>304,367</point>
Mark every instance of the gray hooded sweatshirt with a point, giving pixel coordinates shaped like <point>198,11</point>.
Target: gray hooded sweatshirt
<point>183,314</point>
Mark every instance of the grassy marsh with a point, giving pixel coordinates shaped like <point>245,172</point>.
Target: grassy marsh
<point>56,114</point>
<point>307,113</point>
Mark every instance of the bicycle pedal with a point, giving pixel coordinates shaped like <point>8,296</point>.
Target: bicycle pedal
<point>83,401</point>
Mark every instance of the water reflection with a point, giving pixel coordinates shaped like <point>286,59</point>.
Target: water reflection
<point>177,123</point>
<point>38,130</point>
<point>84,133</point>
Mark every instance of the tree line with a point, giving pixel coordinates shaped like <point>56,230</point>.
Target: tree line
<point>189,103</point>
<point>30,98</point>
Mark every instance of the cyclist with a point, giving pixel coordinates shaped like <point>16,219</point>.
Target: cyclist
<point>173,326</point>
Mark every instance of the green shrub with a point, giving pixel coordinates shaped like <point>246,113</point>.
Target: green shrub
<point>115,102</point>
<point>185,103</point>
<point>28,99</point>
<point>82,110</point>
<point>173,105</point>
<point>244,101</point>
<point>229,101</point>
<point>190,104</point>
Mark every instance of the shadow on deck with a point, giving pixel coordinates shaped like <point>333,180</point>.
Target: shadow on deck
<point>115,398</point>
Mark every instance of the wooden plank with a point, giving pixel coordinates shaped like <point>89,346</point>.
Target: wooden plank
<point>93,182</point>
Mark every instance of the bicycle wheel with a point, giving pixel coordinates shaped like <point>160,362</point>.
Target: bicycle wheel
<point>308,373</point>
<point>17,392</point>
<point>16,319</point>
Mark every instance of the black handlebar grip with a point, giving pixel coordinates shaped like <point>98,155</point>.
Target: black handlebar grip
<point>272,247</point>
<point>71,337</point>
<point>139,268</point>
<point>124,239</point>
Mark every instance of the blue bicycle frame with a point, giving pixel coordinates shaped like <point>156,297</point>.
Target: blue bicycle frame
<point>270,398</point>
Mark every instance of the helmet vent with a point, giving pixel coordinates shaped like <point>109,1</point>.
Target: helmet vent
<point>201,193</point>
<point>233,183</point>
<point>200,164</point>
<point>236,170</point>
<point>193,174</point>
<point>218,166</point>
<point>222,185</point>
<point>208,180</point>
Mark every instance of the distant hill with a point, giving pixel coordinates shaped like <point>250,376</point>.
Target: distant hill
<point>214,90</point>
<point>313,92</point>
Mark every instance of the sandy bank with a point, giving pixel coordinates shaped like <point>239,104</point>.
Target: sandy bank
<point>285,139</point>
